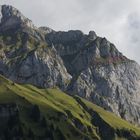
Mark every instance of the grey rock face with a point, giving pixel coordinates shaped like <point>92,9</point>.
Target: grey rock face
<point>70,45</point>
<point>11,17</point>
<point>26,58</point>
<point>102,75</point>
<point>92,35</point>
<point>43,70</point>
<point>40,66</point>
<point>115,88</point>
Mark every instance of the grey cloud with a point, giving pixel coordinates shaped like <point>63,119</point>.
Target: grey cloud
<point>132,36</point>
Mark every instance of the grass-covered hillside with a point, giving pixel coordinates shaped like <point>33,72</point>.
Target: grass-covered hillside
<point>30,113</point>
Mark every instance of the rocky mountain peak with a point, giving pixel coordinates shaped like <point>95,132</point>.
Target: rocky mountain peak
<point>11,17</point>
<point>46,29</point>
<point>92,35</point>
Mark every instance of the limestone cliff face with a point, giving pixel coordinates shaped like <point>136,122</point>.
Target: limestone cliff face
<point>35,64</point>
<point>81,64</point>
<point>25,56</point>
<point>115,88</point>
<point>101,73</point>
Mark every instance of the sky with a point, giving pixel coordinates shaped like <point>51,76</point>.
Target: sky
<point>117,20</point>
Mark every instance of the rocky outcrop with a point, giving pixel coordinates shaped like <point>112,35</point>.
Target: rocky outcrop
<point>46,30</point>
<point>11,18</point>
<point>70,45</point>
<point>43,69</point>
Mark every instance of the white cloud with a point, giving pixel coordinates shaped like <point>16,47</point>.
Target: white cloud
<point>117,20</point>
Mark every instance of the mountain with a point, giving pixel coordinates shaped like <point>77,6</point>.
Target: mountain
<point>25,56</point>
<point>12,18</point>
<point>100,73</point>
<point>79,64</point>
<point>27,112</point>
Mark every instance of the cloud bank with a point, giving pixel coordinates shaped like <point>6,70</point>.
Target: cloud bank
<point>117,20</point>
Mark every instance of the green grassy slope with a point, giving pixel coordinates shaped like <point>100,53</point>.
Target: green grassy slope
<point>65,117</point>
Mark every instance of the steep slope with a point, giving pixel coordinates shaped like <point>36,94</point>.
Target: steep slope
<point>28,112</point>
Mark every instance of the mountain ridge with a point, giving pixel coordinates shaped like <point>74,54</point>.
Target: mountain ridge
<point>79,64</point>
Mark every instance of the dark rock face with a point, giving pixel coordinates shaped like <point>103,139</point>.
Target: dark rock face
<point>72,46</point>
<point>6,112</point>
<point>81,64</point>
